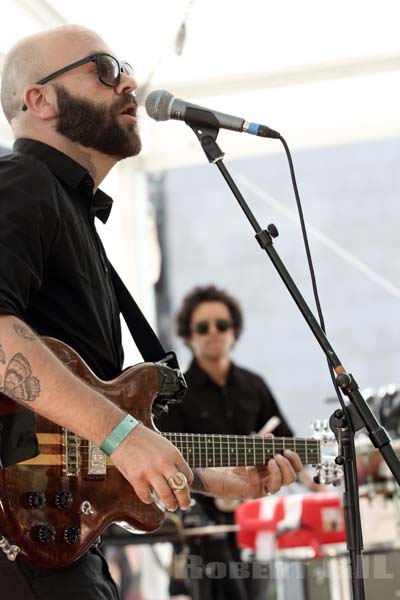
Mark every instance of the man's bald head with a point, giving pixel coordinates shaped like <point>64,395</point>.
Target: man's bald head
<point>34,57</point>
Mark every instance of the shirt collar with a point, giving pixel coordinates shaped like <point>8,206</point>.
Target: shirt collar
<point>69,172</point>
<point>200,377</point>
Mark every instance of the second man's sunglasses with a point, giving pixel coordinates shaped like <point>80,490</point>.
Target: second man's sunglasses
<point>203,327</point>
<point>108,68</point>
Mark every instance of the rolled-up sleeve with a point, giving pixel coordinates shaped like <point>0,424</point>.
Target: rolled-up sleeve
<point>28,224</point>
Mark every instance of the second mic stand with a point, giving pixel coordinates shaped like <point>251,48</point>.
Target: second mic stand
<point>344,422</point>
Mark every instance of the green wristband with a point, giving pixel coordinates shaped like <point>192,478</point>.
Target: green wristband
<point>118,434</point>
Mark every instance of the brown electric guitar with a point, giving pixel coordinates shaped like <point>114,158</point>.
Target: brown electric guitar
<point>54,506</point>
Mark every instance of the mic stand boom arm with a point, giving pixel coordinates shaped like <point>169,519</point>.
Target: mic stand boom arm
<point>357,413</point>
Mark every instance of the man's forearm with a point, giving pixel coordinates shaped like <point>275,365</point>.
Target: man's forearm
<point>209,481</point>
<point>50,389</point>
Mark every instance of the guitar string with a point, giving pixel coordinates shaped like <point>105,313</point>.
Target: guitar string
<point>220,459</point>
<point>224,436</point>
<point>226,448</point>
<point>217,444</point>
<point>244,441</point>
<point>217,458</point>
<point>220,445</point>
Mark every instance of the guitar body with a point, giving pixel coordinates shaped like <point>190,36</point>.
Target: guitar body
<point>32,501</point>
<point>53,507</point>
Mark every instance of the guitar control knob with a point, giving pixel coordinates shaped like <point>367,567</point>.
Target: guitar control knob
<point>63,500</point>
<point>46,534</point>
<point>72,535</point>
<point>36,499</point>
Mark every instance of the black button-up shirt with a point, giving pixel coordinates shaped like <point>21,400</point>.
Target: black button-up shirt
<point>241,407</point>
<point>54,273</point>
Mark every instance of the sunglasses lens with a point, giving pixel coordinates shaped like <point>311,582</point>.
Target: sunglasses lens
<point>108,69</point>
<point>222,324</point>
<point>201,327</point>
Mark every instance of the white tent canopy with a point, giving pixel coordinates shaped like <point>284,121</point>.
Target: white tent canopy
<point>317,72</point>
<point>320,73</point>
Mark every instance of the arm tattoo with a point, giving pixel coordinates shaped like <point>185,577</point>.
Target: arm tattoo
<point>18,383</point>
<point>198,483</point>
<point>24,332</point>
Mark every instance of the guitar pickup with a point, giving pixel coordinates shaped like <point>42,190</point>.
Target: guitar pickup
<point>71,446</point>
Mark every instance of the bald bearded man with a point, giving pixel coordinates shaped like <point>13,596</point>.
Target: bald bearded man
<point>71,105</point>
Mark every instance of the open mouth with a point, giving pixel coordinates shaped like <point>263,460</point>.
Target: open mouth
<point>129,110</point>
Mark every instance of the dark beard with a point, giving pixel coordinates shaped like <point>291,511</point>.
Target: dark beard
<point>96,125</point>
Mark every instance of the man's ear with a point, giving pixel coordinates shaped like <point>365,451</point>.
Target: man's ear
<point>41,100</point>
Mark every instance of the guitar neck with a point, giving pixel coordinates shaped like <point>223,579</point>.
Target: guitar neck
<point>220,450</point>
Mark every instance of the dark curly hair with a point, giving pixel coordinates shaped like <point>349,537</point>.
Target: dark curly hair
<point>208,293</point>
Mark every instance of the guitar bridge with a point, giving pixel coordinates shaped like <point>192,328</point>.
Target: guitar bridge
<point>97,461</point>
<point>74,449</point>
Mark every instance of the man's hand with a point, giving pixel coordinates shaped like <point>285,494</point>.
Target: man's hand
<point>248,482</point>
<point>146,459</point>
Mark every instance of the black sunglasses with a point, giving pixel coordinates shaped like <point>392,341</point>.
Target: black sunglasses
<point>108,68</point>
<point>203,327</point>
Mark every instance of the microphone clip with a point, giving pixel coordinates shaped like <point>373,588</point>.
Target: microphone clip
<point>196,118</point>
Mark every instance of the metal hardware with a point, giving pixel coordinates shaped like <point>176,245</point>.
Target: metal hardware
<point>97,464</point>
<point>36,499</point>
<point>72,535</point>
<point>45,533</point>
<point>86,508</point>
<point>71,453</point>
<point>9,550</point>
<point>329,470</point>
<point>63,500</point>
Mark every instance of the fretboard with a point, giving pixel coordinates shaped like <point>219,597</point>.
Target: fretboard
<point>221,450</point>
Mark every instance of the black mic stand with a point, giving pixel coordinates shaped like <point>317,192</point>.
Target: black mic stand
<point>356,413</point>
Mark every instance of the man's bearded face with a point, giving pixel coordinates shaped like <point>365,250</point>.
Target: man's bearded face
<point>97,126</point>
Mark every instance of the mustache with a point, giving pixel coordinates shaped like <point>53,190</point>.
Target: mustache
<point>122,103</point>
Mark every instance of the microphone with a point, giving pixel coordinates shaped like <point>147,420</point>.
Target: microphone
<point>161,106</point>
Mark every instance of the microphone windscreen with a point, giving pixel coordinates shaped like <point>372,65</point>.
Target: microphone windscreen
<point>157,105</point>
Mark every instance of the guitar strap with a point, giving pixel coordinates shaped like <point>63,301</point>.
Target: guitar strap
<point>140,329</point>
